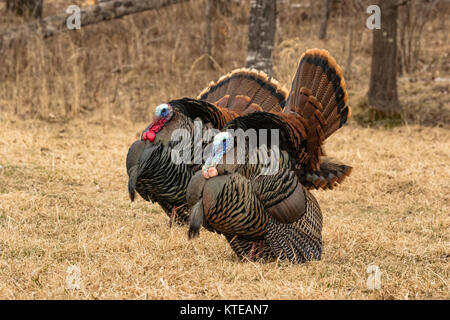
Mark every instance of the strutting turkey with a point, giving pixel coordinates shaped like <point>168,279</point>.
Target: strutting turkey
<point>151,171</point>
<point>275,216</point>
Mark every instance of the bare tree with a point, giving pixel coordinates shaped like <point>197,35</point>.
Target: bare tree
<point>355,8</point>
<point>348,66</point>
<point>413,16</point>
<point>26,8</point>
<point>325,17</point>
<point>261,34</point>
<point>214,11</point>
<point>208,43</point>
<point>382,93</point>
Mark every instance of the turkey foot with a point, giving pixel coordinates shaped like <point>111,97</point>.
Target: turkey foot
<point>260,251</point>
<point>256,252</point>
<point>172,216</point>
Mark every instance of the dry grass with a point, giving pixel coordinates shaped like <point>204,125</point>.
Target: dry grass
<point>63,201</point>
<point>63,194</point>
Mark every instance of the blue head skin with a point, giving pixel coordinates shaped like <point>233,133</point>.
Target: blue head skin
<point>163,113</point>
<point>223,142</point>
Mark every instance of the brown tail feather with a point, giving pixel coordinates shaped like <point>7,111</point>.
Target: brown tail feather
<point>245,91</point>
<point>319,95</point>
<point>321,75</point>
<point>330,173</point>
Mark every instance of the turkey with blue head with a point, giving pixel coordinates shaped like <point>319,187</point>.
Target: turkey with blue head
<point>270,214</point>
<point>151,168</point>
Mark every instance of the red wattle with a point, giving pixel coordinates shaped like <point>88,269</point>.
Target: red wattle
<point>151,136</point>
<point>153,128</point>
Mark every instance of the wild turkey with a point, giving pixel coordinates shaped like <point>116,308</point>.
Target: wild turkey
<point>151,171</point>
<point>275,216</point>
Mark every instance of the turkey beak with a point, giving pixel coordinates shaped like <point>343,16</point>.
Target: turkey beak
<point>133,155</point>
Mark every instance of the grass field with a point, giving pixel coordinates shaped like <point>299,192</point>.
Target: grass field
<point>64,201</point>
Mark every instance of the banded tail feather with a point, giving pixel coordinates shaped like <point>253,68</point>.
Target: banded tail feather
<point>331,173</point>
<point>245,91</point>
<point>318,75</point>
<point>319,95</point>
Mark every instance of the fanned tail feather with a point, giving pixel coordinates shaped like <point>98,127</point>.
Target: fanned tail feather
<point>245,91</point>
<point>330,173</point>
<point>318,94</point>
<point>319,87</point>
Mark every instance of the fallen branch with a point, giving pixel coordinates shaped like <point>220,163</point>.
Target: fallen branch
<point>103,11</point>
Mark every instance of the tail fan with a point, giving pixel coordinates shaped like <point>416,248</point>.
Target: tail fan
<point>319,95</point>
<point>240,92</point>
<point>245,91</point>
<point>319,85</point>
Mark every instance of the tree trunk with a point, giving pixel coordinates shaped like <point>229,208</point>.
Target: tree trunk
<point>325,18</point>
<point>348,66</point>
<point>103,11</point>
<point>26,8</point>
<point>261,34</point>
<point>382,93</point>
<point>208,43</point>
